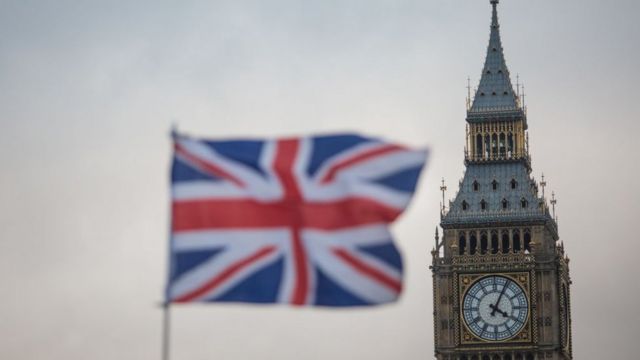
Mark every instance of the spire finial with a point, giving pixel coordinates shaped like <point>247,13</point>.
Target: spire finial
<point>468,93</point>
<point>494,19</point>
<point>543,184</point>
<point>554,201</point>
<point>443,188</point>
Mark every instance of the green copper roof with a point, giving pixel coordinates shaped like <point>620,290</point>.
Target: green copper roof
<point>495,93</point>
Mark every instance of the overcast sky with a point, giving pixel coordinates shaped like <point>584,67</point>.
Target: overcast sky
<point>89,89</point>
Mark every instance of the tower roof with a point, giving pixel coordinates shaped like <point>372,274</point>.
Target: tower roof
<point>495,92</point>
<point>507,190</point>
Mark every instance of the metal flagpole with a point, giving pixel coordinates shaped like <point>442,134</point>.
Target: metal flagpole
<point>166,331</point>
<point>166,305</point>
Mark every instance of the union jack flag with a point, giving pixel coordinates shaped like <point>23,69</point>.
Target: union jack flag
<point>302,221</point>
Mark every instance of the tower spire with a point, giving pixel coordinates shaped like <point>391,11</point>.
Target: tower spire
<point>494,18</point>
<point>495,91</point>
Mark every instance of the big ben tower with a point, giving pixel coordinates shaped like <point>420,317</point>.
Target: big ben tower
<point>500,275</point>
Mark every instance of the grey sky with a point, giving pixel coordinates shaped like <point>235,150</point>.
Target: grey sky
<point>88,91</point>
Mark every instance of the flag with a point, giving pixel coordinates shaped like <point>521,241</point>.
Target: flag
<point>301,221</point>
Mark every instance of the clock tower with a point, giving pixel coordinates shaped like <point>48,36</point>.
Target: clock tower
<point>500,275</point>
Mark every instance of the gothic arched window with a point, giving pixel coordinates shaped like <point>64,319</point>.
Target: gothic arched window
<point>505,204</point>
<point>476,185</point>
<point>484,243</point>
<point>494,242</point>
<point>524,203</point>
<point>478,145</point>
<point>516,241</point>
<point>505,242</point>
<point>473,244</point>
<point>483,205</point>
<point>494,145</point>
<point>494,184</point>
<point>462,244</point>
<point>514,184</point>
<point>487,145</point>
<point>503,145</point>
<point>527,240</point>
<point>465,205</point>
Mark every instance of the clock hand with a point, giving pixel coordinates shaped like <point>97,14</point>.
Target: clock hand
<point>495,307</point>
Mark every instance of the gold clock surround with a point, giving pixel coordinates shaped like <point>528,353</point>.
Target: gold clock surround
<point>465,281</point>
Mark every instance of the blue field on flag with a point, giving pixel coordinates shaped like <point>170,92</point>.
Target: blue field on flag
<point>300,221</point>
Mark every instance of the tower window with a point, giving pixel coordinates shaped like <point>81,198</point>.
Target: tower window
<point>473,244</point>
<point>505,242</point>
<point>462,244</point>
<point>493,93</point>
<point>476,185</point>
<point>516,241</point>
<point>484,243</point>
<point>465,205</point>
<point>510,143</point>
<point>481,94</point>
<point>503,144</point>
<point>499,71</point>
<point>506,93</point>
<point>494,242</point>
<point>483,205</point>
<point>488,71</point>
<point>494,184</point>
<point>527,240</point>
<point>524,203</point>
<point>514,184</point>
<point>494,145</point>
<point>505,204</point>
<point>487,146</point>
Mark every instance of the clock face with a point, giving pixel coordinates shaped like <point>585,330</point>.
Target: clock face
<point>495,308</point>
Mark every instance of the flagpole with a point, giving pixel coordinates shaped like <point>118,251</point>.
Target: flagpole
<point>166,305</point>
<point>166,331</point>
